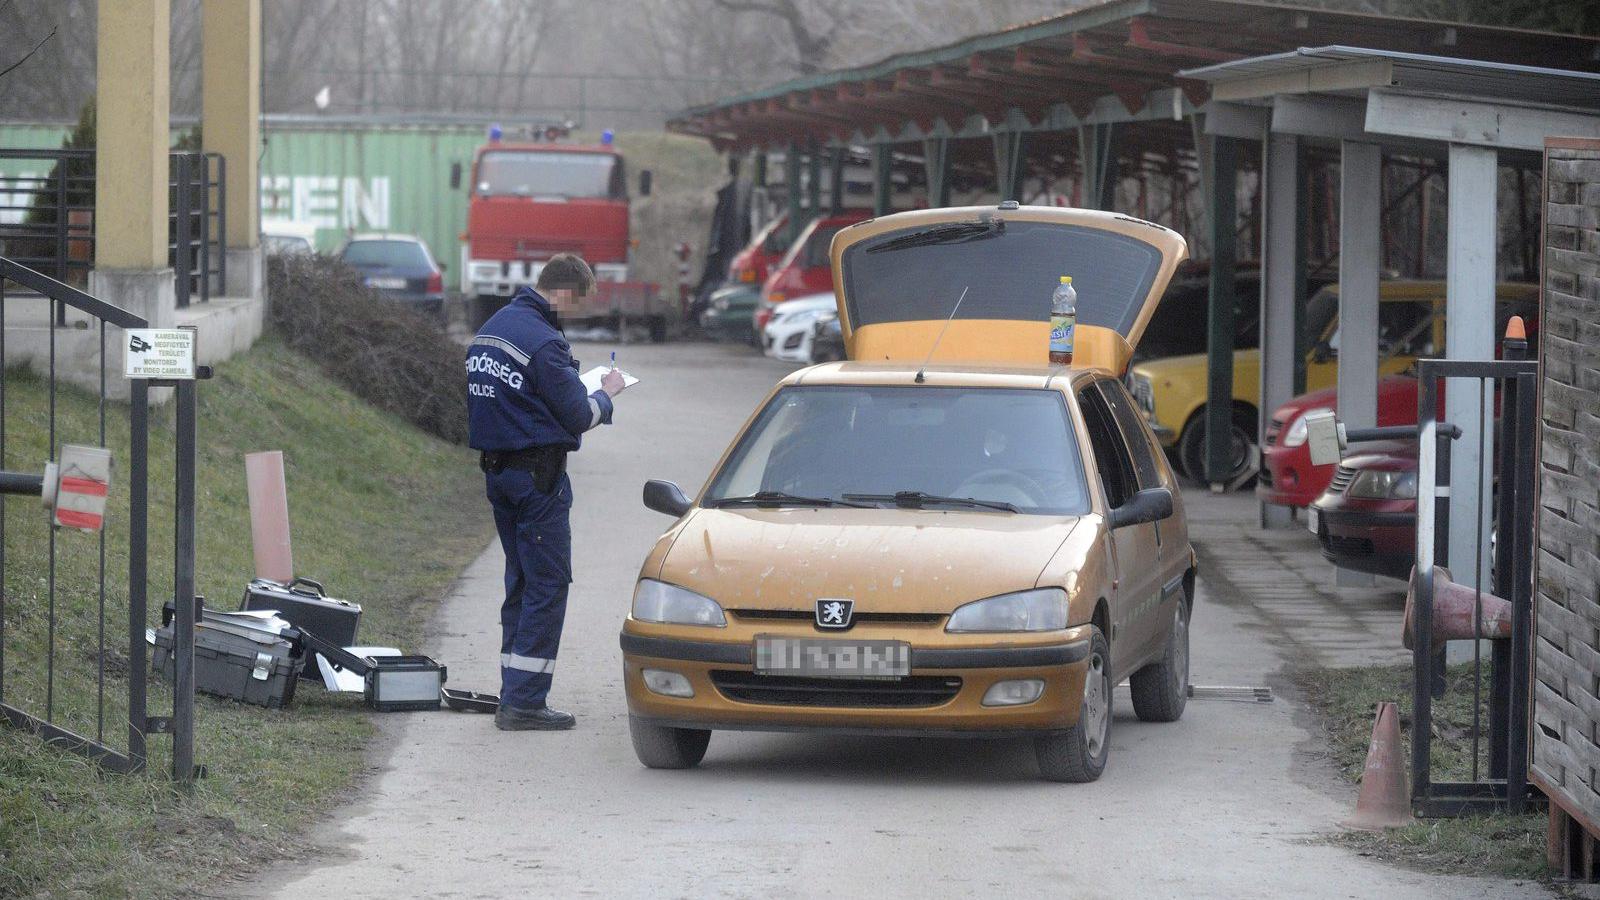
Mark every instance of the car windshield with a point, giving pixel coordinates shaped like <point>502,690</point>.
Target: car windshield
<point>1011,447</point>
<point>550,173</point>
<point>386,254</point>
<point>908,274</point>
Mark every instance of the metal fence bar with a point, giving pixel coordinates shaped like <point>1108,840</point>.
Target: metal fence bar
<point>2,496</point>
<point>50,678</point>
<point>180,246</point>
<point>185,599</point>
<point>138,563</point>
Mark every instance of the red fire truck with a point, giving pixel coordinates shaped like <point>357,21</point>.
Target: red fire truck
<point>534,198</point>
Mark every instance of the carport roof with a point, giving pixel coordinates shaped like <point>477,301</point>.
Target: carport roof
<point>1116,61</point>
<point>1380,94</point>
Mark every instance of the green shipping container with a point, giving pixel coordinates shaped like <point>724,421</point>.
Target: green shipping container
<point>340,176</point>
<point>346,178</point>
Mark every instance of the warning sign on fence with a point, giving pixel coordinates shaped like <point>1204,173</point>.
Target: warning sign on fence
<point>160,353</point>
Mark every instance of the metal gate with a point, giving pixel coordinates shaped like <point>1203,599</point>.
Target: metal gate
<point>73,607</point>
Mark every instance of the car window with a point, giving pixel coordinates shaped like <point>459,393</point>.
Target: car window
<point>534,173</point>
<point>395,254</point>
<point>1404,327</point>
<point>1008,273</point>
<point>816,253</point>
<point>1117,474</point>
<point>1134,436</point>
<point>1011,445</point>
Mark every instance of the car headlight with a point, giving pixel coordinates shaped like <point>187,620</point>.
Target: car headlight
<point>1038,610</point>
<point>657,601</point>
<point>1295,435</point>
<point>1375,484</point>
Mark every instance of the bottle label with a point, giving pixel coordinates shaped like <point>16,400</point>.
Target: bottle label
<point>1061,328</point>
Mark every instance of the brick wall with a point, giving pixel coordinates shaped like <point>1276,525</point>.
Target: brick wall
<point>1566,736</point>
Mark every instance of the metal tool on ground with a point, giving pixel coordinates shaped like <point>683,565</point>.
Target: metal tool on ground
<point>469,701</point>
<point>1240,693</point>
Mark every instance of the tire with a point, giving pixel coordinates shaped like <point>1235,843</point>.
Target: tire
<point>1192,446</point>
<point>658,330</point>
<point>1161,689</point>
<point>668,748</point>
<point>1078,754</point>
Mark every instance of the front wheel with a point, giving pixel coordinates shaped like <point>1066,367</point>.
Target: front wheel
<point>659,747</point>
<point>1161,689</point>
<point>1079,753</point>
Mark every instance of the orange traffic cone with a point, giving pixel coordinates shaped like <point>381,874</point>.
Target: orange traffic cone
<point>1385,800</point>
<point>1456,610</point>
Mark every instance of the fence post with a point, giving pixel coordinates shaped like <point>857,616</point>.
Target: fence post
<point>62,220</point>
<point>181,242</point>
<point>222,223</point>
<point>184,599</point>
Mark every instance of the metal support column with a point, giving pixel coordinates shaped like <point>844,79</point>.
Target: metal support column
<point>1469,334</point>
<point>791,187</point>
<point>1008,164</point>
<point>1223,217</point>
<point>882,180</point>
<point>936,165</point>
<point>1279,293</point>
<point>1360,246</point>
<point>836,181</point>
<point>814,179</point>
<point>1098,161</point>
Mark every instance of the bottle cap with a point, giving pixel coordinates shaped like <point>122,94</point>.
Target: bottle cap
<point>1066,279</point>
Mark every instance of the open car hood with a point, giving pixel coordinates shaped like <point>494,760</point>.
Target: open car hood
<point>895,299</point>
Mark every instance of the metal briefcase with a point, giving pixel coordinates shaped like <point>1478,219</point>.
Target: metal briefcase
<point>307,606</point>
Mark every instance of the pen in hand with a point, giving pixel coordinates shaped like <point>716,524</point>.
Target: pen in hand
<point>613,359</point>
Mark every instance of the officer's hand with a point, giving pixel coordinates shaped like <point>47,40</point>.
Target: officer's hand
<point>612,383</point>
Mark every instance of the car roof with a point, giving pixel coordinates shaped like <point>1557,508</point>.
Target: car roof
<point>940,375</point>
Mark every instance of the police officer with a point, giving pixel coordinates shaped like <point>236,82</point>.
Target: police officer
<point>526,408</point>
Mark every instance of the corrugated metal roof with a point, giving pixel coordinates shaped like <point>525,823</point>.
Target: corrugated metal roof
<point>1425,74</point>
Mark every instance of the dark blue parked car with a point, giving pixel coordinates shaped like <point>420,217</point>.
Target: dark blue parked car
<point>399,267</point>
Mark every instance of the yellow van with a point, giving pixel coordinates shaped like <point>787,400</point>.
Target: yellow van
<point>1172,391</point>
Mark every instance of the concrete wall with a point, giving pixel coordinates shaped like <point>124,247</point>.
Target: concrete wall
<point>1566,755</point>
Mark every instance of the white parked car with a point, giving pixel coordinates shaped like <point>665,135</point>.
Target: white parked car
<point>788,333</point>
<point>284,237</point>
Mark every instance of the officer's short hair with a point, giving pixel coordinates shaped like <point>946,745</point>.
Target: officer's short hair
<point>567,271</point>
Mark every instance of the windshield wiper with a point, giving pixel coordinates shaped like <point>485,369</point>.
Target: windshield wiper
<point>779,498</point>
<point>921,499</point>
<point>953,233</point>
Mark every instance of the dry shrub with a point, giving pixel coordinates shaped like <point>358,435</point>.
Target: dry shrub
<point>394,358</point>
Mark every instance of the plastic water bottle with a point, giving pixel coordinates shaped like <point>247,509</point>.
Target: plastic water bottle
<point>1063,321</point>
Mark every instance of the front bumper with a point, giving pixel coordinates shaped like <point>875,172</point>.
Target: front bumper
<point>1381,543</point>
<point>1061,661</point>
<point>1289,479</point>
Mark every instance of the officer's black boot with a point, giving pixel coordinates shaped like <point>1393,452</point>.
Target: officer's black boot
<point>510,718</point>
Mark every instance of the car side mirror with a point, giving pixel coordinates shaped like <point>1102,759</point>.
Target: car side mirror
<point>1149,505</point>
<point>666,497</point>
<point>646,177</point>
<point>455,176</point>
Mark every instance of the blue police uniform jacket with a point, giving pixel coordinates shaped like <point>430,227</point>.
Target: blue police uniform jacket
<point>523,389</point>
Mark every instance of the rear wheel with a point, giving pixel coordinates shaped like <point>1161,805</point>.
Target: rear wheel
<point>1241,441</point>
<point>659,747</point>
<point>658,329</point>
<point>1079,753</point>
<point>1161,689</point>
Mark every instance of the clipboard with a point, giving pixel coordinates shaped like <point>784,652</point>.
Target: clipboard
<point>591,378</point>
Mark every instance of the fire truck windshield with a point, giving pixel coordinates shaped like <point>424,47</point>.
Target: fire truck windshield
<point>551,173</point>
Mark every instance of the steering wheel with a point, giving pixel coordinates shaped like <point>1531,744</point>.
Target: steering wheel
<point>1007,485</point>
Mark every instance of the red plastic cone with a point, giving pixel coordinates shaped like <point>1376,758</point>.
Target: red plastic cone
<point>1385,800</point>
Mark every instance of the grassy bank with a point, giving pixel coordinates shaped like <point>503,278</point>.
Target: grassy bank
<point>1502,845</point>
<point>382,514</point>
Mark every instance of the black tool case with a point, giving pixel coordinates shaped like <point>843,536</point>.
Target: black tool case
<point>251,665</point>
<point>392,683</point>
<point>304,604</point>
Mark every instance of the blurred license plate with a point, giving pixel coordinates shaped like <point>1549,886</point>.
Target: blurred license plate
<point>387,284</point>
<point>820,658</point>
<point>1313,520</point>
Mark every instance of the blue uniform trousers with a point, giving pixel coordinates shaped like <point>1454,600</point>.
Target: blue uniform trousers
<point>536,534</point>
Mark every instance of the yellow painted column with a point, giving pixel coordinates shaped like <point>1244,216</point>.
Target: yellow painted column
<point>231,107</point>
<point>132,100</point>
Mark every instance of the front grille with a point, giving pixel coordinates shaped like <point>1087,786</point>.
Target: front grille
<point>1346,546</point>
<point>808,615</point>
<point>786,690</point>
<point>1342,479</point>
